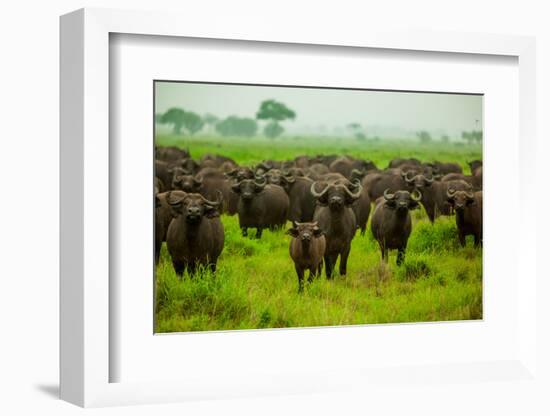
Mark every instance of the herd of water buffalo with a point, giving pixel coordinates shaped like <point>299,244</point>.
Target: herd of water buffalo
<point>327,198</point>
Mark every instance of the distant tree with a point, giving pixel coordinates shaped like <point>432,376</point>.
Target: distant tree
<point>424,136</point>
<point>445,138</point>
<point>478,136</point>
<point>357,131</point>
<point>471,136</point>
<point>275,112</point>
<point>174,116</point>
<point>192,122</point>
<point>273,129</point>
<point>236,126</point>
<point>158,118</point>
<point>210,120</point>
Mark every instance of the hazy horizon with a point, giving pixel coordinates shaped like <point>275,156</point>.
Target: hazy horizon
<point>329,111</point>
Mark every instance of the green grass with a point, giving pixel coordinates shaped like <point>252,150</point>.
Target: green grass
<point>256,285</point>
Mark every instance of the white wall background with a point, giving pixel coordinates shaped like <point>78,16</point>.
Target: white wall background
<point>29,210</point>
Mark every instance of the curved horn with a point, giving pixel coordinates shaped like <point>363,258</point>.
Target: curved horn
<point>406,177</point>
<point>416,195</point>
<point>173,200</point>
<point>429,180</point>
<point>315,193</point>
<point>387,195</point>
<point>450,192</point>
<point>216,203</point>
<point>197,180</point>
<point>470,195</point>
<point>355,194</point>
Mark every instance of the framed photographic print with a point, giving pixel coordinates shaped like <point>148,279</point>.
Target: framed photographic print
<point>262,214</point>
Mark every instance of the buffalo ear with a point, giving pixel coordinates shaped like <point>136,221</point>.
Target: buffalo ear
<point>413,204</point>
<point>292,232</point>
<point>317,232</point>
<point>323,199</point>
<point>236,188</point>
<point>211,212</point>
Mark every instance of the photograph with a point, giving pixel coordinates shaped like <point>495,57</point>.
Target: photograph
<point>282,206</point>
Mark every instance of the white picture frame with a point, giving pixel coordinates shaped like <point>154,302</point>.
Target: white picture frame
<point>85,354</point>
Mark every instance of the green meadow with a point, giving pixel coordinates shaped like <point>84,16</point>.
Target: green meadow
<point>256,285</point>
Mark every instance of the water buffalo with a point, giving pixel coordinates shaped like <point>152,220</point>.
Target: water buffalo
<point>475,181</point>
<point>396,163</point>
<point>163,216</point>
<point>345,165</point>
<point>234,176</point>
<point>195,236</point>
<point>307,249</point>
<point>301,201</point>
<point>468,207</point>
<point>377,182</point>
<point>337,220</point>
<point>391,221</point>
<point>207,182</point>
<point>170,153</point>
<point>474,165</point>
<point>260,205</point>
<point>316,170</point>
<point>443,169</point>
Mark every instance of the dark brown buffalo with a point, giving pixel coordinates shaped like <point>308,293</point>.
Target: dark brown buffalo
<point>163,216</point>
<point>170,153</point>
<point>301,201</point>
<point>195,236</point>
<point>345,165</point>
<point>377,182</point>
<point>474,165</point>
<point>273,176</point>
<point>443,169</point>
<point>301,161</point>
<point>396,163</point>
<point>260,205</point>
<point>324,159</point>
<point>468,207</point>
<point>165,170</point>
<point>216,161</point>
<point>207,182</point>
<point>391,222</point>
<point>316,170</point>
<point>337,220</point>
<point>307,249</point>
<point>475,181</point>
<point>236,175</point>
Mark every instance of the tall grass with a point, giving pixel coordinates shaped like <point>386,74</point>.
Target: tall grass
<point>256,286</point>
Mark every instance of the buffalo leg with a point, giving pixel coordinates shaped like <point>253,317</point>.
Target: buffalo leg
<point>300,273</point>
<point>212,267</point>
<point>312,273</point>
<point>328,266</point>
<point>244,231</point>
<point>344,260</point>
<point>400,256</point>
<point>477,240</point>
<point>462,239</point>
<point>384,252</point>
<point>179,268</point>
<point>259,232</point>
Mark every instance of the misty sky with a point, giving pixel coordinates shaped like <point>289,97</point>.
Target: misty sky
<point>379,112</point>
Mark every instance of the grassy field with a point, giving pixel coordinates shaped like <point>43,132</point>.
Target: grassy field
<point>256,285</point>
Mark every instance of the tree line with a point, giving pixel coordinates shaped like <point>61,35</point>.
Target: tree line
<point>188,122</point>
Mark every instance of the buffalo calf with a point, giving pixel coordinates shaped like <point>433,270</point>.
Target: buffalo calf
<point>307,249</point>
<point>468,212</point>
